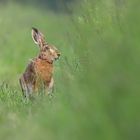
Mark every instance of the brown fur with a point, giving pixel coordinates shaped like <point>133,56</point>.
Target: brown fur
<point>39,72</point>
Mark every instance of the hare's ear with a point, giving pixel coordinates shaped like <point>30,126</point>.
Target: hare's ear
<point>38,37</point>
<point>35,35</point>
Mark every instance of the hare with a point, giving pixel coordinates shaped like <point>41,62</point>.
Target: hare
<point>39,72</point>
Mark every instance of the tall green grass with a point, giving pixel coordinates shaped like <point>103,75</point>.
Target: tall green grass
<point>96,80</point>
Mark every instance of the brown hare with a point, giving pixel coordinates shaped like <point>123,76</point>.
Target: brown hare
<point>39,72</point>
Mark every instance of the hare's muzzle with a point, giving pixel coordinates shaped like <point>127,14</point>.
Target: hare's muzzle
<point>58,55</point>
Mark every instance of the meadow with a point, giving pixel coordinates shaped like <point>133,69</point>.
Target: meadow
<point>97,78</point>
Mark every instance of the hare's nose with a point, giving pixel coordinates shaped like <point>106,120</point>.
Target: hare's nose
<point>58,54</point>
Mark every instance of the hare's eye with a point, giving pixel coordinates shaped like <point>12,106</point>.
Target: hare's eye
<point>46,48</point>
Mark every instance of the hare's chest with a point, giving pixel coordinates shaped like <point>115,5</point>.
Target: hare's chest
<point>43,70</point>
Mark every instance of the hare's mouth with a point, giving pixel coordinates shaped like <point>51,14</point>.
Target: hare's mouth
<point>57,58</point>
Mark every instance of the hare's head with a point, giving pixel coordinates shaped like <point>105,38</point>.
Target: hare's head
<point>47,52</point>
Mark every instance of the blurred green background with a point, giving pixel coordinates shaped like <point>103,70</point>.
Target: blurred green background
<point>97,79</point>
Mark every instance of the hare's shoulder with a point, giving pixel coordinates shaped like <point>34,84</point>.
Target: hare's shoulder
<point>31,65</point>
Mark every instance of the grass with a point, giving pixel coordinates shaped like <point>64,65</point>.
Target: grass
<point>96,80</point>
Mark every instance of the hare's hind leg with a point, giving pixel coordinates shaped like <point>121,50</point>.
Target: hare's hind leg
<point>24,87</point>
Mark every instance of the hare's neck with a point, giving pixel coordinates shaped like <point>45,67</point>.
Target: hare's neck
<point>44,63</point>
<point>44,60</point>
